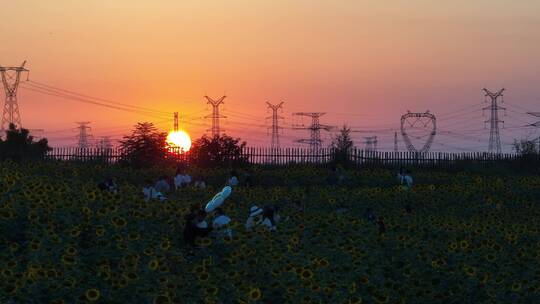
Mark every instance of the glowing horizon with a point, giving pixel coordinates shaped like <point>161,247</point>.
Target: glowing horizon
<point>365,63</point>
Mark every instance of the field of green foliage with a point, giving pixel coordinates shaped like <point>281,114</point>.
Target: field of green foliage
<point>470,238</point>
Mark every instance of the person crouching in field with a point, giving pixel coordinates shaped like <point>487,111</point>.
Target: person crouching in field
<point>109,185</point>
<point>196,226</point>
<point>270,218</point>
<point>221,224</point>
<point>181,179</point>
<point>150,193</point>
<point>253,217</point>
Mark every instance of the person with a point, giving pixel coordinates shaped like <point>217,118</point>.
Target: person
<point>370,215</point>
<point>109,185</point>
<point>198,182</point>
<point>298,208</point>
<point>382,227</point>
<point>233,180</point>
<point>253,219</point>
<point>196,226</point>
<point>162,185</point>
<point>181,179</point>
<point>221,224</point>
<point>270,218</point>
<point>151,193</point>
<point>405,178</point>
<point>249,181</point>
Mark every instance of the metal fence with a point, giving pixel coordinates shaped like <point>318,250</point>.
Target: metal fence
<point>286,156</point>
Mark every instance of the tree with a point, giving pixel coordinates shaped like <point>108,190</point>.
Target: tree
<point>19,145</point>
<point>342,144</point>
<point>217,151</point>
<point>525,147</point>
<point>145,146</point>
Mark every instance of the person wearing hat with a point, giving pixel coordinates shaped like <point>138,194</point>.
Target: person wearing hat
<point>221,224</point>
<point>252,219</point>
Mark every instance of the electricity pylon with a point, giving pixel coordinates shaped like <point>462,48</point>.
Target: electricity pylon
<point>83,137</point>
<point>494,136</point>
<point>10,81</point>
<point>371,143</point>
<point>175,126</point>
<point>275,120</point>
<point>314,141</point>
<point>216,131</point>
<point>395,142</point>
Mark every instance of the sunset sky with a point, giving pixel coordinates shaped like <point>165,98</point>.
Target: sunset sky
<point>365,63</point>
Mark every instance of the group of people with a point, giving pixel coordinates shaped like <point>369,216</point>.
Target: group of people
<point>267,217</point>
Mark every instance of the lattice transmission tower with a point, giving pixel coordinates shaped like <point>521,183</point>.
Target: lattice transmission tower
<point>216,131</point>
<point>315,141</point>
<point>175,124</point>
<point>83,139</point>
<point>395,142</point>
<point>371,143</point>
<point>275,123</point>
<point>536,124</point>
<point>494,136</point>
<point>10,81</point>
<point>104,143</point>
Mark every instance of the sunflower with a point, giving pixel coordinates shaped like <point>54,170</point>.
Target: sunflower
<point>355,300</point>
<point>306,274</point>
<point>254,294</point>
<point>153,264</point>
<point>211,290</point>
<point>516,286</point>
<point>92,294</point>
<point>162,299</point>
<point>203,276</point>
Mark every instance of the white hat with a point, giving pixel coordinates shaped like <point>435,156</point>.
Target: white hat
<point>254,211</point>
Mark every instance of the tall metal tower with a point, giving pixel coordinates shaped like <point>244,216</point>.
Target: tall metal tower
<point>395,142</point>
<point>83,137</point>
<point>104,143</point>
<point>10,80</point>
<point>494,137</point>
<point>275,120</point>
<point>314,141</point>
<point>536,124</point>
<point>371,143</point>
<point>215,115</point>
<point>175,126</point>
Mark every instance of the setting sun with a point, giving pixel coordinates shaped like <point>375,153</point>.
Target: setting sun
<point>179,139</point>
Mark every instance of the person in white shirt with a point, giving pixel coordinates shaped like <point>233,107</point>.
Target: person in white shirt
<point>405,178</point>
<point>233,180</point>
<point>221,224</point>
<point>181,180</point>
<point>253,217</point>
<point>151,193</point>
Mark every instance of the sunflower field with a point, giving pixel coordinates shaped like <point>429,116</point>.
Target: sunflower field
<point>468,238</point>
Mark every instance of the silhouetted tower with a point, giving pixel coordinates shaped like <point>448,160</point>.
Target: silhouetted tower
<point>314,141</point>
<point>104,143</point>
<point>83,139</point>
<point>175,126</point>
<point>215,115</point>
<point>536,124</point>
<point>371,143</point>
<point>494,137</point>
<point>10,81</point>
<point>395,142</point>
<point>275,120</point>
